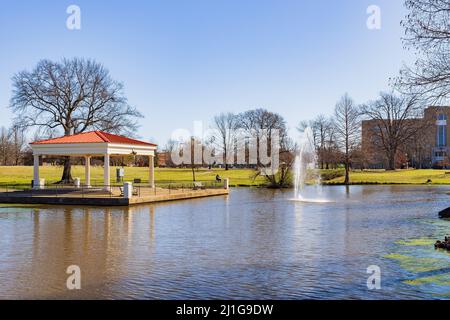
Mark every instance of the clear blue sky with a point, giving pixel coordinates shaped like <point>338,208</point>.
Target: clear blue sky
<point>188,60</point>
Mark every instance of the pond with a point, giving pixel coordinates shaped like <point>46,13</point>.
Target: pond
<point>252,244</point>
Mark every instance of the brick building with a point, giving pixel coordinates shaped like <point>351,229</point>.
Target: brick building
<point>428,147</point>
<point>163,159</point>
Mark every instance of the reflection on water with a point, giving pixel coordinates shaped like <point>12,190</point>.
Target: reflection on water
<point>252,244</point>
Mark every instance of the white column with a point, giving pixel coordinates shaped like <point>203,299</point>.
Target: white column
<point>151,176</point>
<point>87,171</point>
<point>226,183</point>
<point>106,178</point>
<point>36,181</point>
<point>127,190</point>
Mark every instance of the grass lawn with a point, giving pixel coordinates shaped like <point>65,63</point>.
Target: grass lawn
<point>24,175</point>
<point>396,177</point>
<point>238,177</point>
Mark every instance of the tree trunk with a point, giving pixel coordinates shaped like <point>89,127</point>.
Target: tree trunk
<point>226,158</point>
<point>347,173</point>
<point>67,172</point>
<point>391,161</point>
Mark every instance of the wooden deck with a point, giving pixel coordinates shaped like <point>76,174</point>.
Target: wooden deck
<point>98,197</point>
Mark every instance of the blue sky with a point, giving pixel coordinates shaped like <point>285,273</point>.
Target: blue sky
<point>185,61</point>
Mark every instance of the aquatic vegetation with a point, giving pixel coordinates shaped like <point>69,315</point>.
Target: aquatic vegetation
<point>443,295</point>
<point>417,242</point>
<point>440,280</point>
<point>416,265</point>
<point>430,266</point>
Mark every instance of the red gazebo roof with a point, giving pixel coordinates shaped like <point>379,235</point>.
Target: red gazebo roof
<point>94,137</point>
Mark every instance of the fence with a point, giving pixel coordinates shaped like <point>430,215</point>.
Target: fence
<point>110,191</point>
<point>62,191</point>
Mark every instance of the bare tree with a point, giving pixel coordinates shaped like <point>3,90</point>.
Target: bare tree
<point>12,142</point>
<point>347,125</point>
<point>309,124</point>
<point>196,158</point>
<point>72,96</point>
<point>17,144</point>
<point>419,149</point>
<point>323,138</point>
<point>263,123</point>
<point>427,32</point>
<point>225,125</point>
<point>5,146</point>
<point>321,126</point>
<point>393,122</point>
<point>283,177</point>
<point>331,149</point>
<point>168,149</point>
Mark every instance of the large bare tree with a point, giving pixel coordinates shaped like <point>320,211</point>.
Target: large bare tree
<point>71,96</point>
<point>260,120</point>
<point>324,128</point>
<point>225,128</point>
<point>393,122</point>
<point>263,123</point>
<point>347,125</point>
<point>427,32</point>
<point>323,138</point>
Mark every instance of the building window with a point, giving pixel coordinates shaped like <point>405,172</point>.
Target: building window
<point>442,136</point>
<point>441,131</point>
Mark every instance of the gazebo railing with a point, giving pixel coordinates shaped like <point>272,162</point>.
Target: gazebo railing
<point>102,191</point>
<point>56,190</point>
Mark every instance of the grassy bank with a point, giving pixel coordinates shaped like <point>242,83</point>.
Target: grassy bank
<point>24,175</point>
<point>395,177</point>
<point>238,177</point>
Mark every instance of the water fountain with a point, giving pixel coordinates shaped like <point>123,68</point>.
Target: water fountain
<point>305,167</point>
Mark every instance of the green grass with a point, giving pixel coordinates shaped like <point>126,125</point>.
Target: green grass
<point>24,174</point>
<point>238,177</point>
<point>396,177</point>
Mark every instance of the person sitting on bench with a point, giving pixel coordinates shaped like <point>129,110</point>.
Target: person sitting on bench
<point>218,178</point>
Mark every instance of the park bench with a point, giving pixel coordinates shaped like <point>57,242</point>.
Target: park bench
<point>198,185</point>
<point>135,191</point>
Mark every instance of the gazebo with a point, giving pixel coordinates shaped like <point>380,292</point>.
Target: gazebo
<point>90,144</point>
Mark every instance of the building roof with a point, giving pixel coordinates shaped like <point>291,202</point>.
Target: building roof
<point>94,137</point>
